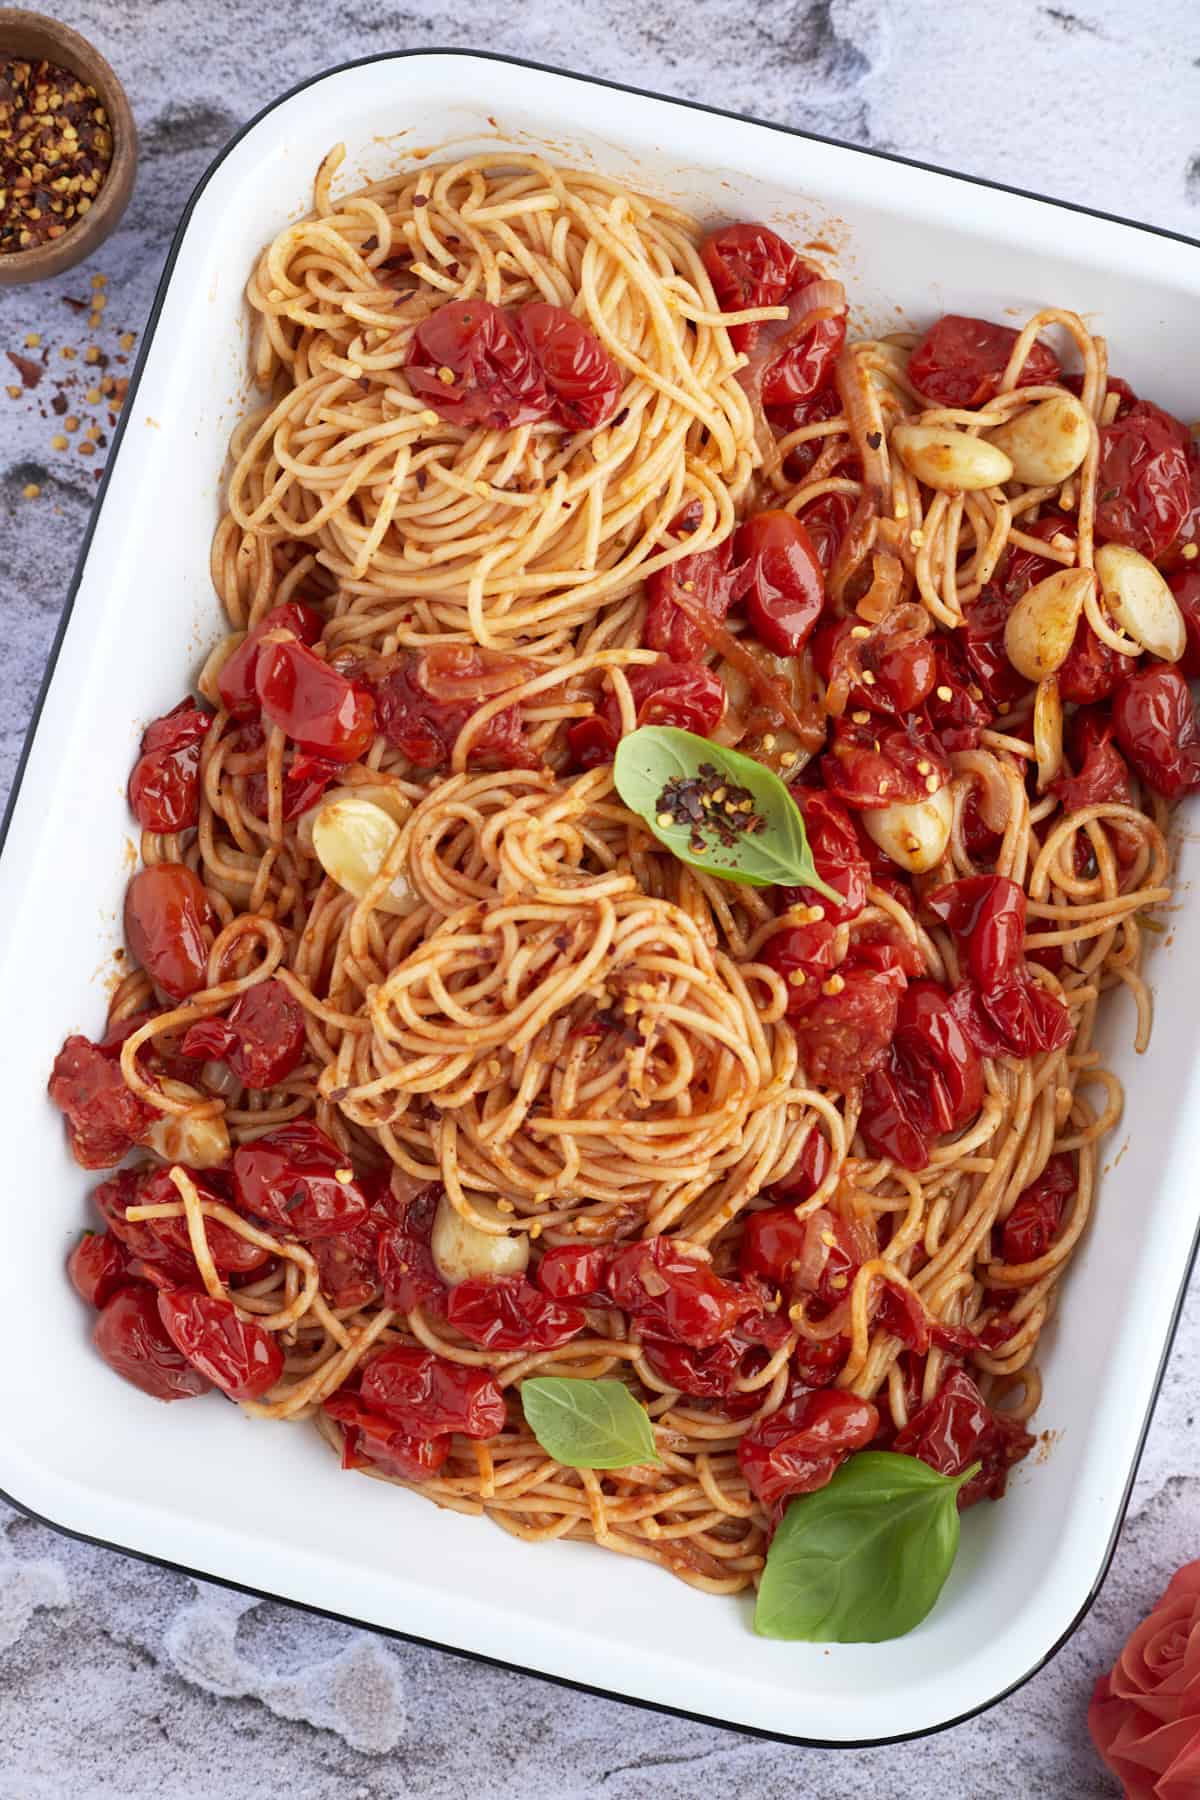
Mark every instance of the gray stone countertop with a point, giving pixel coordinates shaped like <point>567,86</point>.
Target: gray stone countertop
<point>121,1679</point>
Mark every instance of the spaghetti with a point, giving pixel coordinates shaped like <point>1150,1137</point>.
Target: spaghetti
<point>449,1061</point>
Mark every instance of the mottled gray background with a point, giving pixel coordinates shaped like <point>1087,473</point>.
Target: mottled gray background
<point>118,1679</point>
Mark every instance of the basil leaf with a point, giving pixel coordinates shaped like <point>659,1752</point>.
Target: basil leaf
<point>588,1424</point>
<point>775,853</point>
<point>865,1558</point>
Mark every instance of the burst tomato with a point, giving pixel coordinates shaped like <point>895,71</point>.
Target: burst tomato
<point>166,913</point>
<point>261,1038</point>
<point>960,362</point>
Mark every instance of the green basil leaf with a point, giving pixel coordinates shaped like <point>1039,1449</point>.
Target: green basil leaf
<point>865,1558</point>
<point>777,852</point>
<point>588,1424</point>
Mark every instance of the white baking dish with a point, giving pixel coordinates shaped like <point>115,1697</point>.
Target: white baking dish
<point>267,1508</point>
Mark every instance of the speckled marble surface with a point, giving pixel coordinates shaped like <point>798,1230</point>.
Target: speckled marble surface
<point>117,1679</point>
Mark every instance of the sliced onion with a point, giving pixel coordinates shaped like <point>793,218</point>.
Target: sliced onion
<point>887,585</point>
<point>463,674</point>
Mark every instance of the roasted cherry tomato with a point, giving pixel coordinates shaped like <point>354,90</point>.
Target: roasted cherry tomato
<point>931,1083</point>
<point>1033,1224</point>
<point>164,789</point>
<point>99,1267</point>
<point>1093,669</point>
<point>317,708</point>
<point>1156,728</point>
<point>875,765</point>
<point>298,1180</point>
<point>231,1253</point>
<point>960,362</point>
<point>509,1313</point>
<point>235,1354</point>
<point>305,779</point>
<point>844,1035</point>
<point>131,1337</point>
<point>1182,552</point>
<point>818,1362</point>
<point>236,681</point>
<point>583,379</point>
<point>815,409</point>
<point>349,1260</point>
<point>985,915</point>
<point>573,1272</point>
<point>1021,569</point>
<point>837,855</point>
<point>803,956</point>
<point>687,695</point>
<point>750,265</point>
<point>827,520</point>
<point>1185,585</point>
<point>1144,481</point>
<point>818,1255</point>
<point>780,580</point>
<point>1018,1019</point>
<point>407,1270</point>
<point>700,586</point>
<point>425,701</point>
<point>104,1118</point>
<point>797,1448</point>
<point>142,1238</point>
<point>261,1037</point>
<point>957,1428</point>
<point>982,642</point>
<point>676,1296</point>
<point>956,707</point>
<point>472,364</point>
<point>888,668</point>
<point>428,1395</point>
<point>371,1441</point>
<point>807,361</point>
<point>806,1173</point>
<point>166,911</point>
<point>1103,773</point>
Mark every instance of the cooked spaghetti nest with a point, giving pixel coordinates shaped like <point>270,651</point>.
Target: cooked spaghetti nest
<point>431,528</point>
<point>551,1035</point>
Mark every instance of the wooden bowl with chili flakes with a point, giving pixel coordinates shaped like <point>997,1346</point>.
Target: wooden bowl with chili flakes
<point>68,147</point>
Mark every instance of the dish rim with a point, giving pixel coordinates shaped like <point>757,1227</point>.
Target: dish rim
<point>148,335</point>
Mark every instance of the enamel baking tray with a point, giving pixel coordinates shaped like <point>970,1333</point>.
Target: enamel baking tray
<point>267,1509</point>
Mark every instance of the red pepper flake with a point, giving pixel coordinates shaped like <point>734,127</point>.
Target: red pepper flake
<point>55,151</point>
<point>30,372</point>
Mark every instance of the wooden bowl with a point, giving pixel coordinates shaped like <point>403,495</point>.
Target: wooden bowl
<point>30,34</point>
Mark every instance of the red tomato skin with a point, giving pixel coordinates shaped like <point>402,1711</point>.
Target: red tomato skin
<point>818,1362</point>
<point>957,1428</point>
<point>291,1178</point>
<point>305,779</point>
<point>797,1448</point>
<point>104,1118</point>
<point>582,377</point>
<point>428,1396</point>
<point>1034,1221</point>
<point>871,766</point>
<point>317,708</point>
<point>426,728</point>
<point>750,265</point>
<point>99,1267</point>
<point>826,520</point>
<point>261,1037</point>
<point>1022,569</point>
<point>1185,585</point>
<point>1093,670</point>
<point>130,1336</point>
<point>708,584</point>
<point>843,1036</point>
<point>1143,484</point>
<point>496,383</point>
<point>986,659</point>
<point>236,681</point>
<point>164,788</point>
<point>780,580</point>
<point>1103,775</point>
<point>235,1354</point>
<point>960,362</point>
<point>837,854</point>
<point>985,915</point>
<point>806,367</point>
<point>370,1440</point>
<point>932,1083</point>
<point>571,1272</point>
<point>1156,728</point>
<point>407,1271</point>
<point>231,1254</point>
<point>903,672</point>
<point>697,1306</point>
<point>687,695</point>
<point>803,955</point>
<point>509,1313</point>
<point>806,1173</point>
<point>142,1239</point>
<point>166,910</point>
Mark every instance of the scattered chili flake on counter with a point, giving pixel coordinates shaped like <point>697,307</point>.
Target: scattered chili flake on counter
<point>55,151</point>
